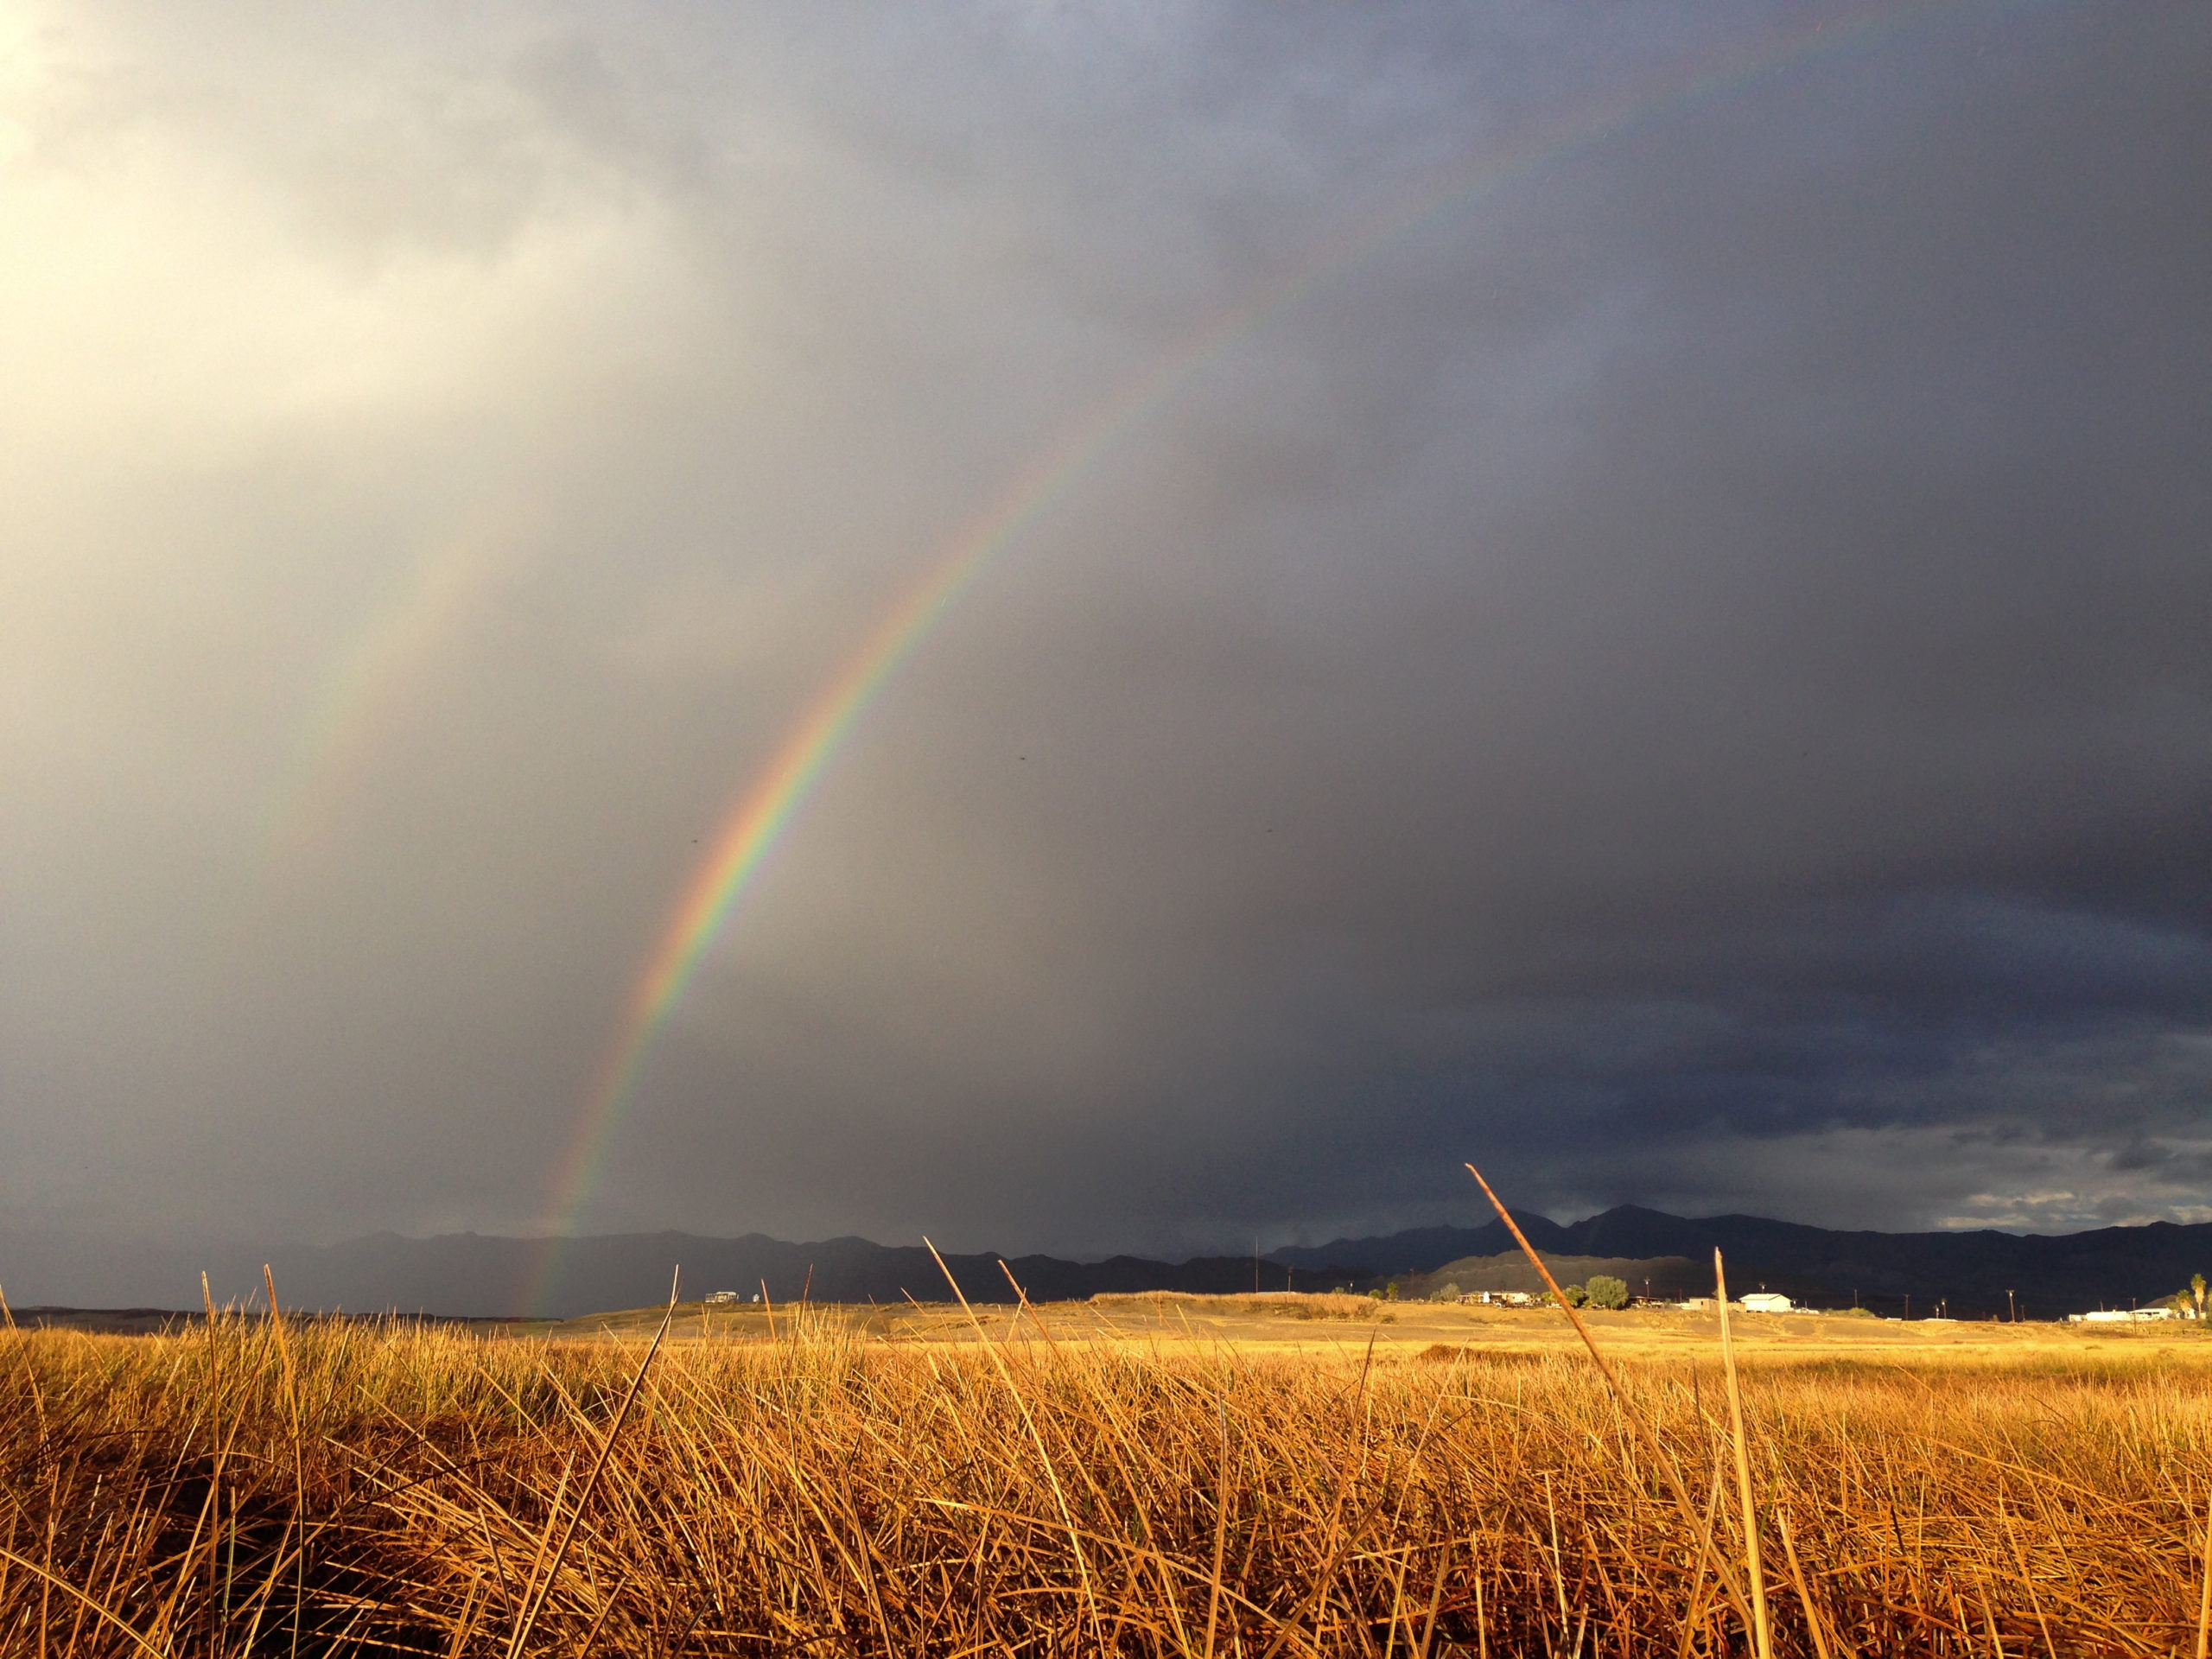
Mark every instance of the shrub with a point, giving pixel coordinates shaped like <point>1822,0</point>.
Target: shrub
<point>1576,1296</point>
<point>1604,1291</point>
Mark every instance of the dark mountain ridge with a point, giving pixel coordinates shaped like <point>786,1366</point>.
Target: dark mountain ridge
<point>1971,1270</point>
<point>488,1275</point>
<point>491,1277</point>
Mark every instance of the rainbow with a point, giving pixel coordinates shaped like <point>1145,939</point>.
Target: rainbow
<point>365,689</point>
<point>776,793</point>
<point>752,827</point>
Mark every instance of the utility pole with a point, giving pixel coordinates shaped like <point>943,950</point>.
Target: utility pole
<point>1255,1264</point>
<point>2011,1309</point>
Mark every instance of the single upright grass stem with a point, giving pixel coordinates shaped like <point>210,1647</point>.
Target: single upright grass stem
<point>1220,1531</point>
<point>2204,1593</point>
<point>299,1457</point>
<point>1761,1635</point>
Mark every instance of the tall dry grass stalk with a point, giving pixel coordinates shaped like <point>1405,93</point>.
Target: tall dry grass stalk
<point>824,1494</point>
<point>2204,1590</point>
<point>1763,1637</point>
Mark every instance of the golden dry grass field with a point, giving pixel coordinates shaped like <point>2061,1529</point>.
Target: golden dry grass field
<point>1261,1477</point>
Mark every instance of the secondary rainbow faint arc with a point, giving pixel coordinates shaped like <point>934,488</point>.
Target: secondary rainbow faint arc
<point>365,684</point>
<point>767,808</point>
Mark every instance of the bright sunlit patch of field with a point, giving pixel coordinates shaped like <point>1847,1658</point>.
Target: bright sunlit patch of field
<point>1170,1475</point>
<point>1340,1324</point>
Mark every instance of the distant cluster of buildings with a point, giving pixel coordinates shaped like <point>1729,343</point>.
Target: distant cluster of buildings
<point>1756,1301</point>
<point>1770,1302</point>
<point>2123,1316</point>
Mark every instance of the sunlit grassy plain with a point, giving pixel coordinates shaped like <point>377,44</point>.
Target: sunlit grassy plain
<point>1249,1476</point>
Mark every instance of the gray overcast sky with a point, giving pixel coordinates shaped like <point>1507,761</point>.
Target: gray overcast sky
<point>1680,672</point>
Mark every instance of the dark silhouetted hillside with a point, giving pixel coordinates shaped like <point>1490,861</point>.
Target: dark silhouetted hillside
<point>2110,1267</point>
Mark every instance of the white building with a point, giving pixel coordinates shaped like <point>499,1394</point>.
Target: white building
<point>2123,1316</point>
<point>1767,1301</point>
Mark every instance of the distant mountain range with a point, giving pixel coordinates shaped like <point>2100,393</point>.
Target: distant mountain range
<point>1971,1272</point>
<point>491,1277</point>
<point>467,1272</point>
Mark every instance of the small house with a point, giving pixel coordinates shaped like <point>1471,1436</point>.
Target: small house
<point>1767,1301</point>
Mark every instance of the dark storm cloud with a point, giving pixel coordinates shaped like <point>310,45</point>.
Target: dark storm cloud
<point>1682,677</point>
